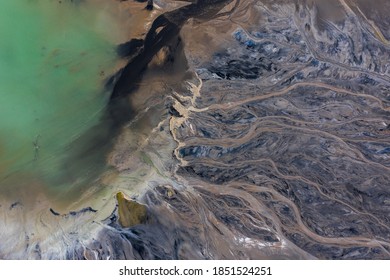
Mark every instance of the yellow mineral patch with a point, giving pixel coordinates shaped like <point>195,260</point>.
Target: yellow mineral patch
<point>169,191</point>
<point>130,212</point>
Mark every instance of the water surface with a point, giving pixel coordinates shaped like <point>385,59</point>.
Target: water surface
<point>54,59</point>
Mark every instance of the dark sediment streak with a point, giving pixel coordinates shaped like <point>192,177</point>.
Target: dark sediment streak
<point>163,32</point>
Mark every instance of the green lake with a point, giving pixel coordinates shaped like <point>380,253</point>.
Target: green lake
<point>54,59</point>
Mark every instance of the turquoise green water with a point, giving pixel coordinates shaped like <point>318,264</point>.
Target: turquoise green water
<point>53,60</point>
